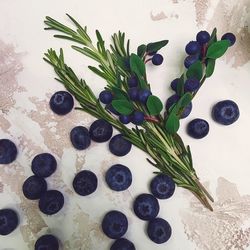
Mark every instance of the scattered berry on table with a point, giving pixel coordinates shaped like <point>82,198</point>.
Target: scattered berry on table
<point>198,128</point>
<point>133,94</point>
<point>157,59</point>
<point>8,221</point>
<point>114,224</point>
<point>34,187</point>
<point>61,102</point>
<point>162,186</point>
<point>133,82</point>
<point>202,37</point>
<point>80,137</point>
<point>230,37</point>
<point>47,242</point>
<point>43,165</point>
<point>174,84</point>
<point>146,206</point>
<point>51,202</point>
<point>138,117</point>
<point>100,131</point>
<point>187,110</point>
<point>189,60</point>
<point>119,146</point>
<point>122,244</point>
<point>106,97</point>
<point>143,95</point>
<point>225,112</point>
<point>110,108</point>
<point>85,183</point>
<point>159,230</point>
<point>118,177</point>
<point>125,119</point>
<point>8,151</point>
<point>192,48</point>
<point>191,85</point>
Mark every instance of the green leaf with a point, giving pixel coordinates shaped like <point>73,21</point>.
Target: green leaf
<point>213,37</point>
<point>180,86</point>
<point>124,107</point>
<point>141,50</point>
<point>195,70</point>
<point>154,47</point>
<point>137,65</point>
<point>210,67</point>
<point>119,94</point>
<point>172,123</point>
<point>154,105</point>
<point>217,49</point>
<point>185,100</point>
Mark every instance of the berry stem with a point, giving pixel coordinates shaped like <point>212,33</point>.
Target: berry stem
<point>151,119</point>
<point>149,59</point>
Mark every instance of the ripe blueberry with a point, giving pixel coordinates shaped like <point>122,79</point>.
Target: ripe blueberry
<point>133,94</point>
<point>225,112</point>
<point>100,131</point>
<point>122,244</point>
<point>138,118</point>
<point>8,221</point>
<point>143,95</point>
<point>133,81</point>
<point>43,165</point>
<point>146,206</point>
<point>119,146</point>
<point>157,59</point>
<point>189,60</point>
<point>61,102</point>
<point>202,37</point>
<point>192,48</point>
<point>198,128</point>
<point>110,108</point>
<point>8,151</point>
<point>118,177</point>
<point>174,84</point>
<point>47,242</point>
<point>80,137</point>
<point>51,202</point>
<point>114,224</point>
<point>125,119</point>
<point>34,187</point>
<point>191,85</point>
<point>162,186</point>
<point>159,230</point>
<point>171,100</point>
<point>230,37</point>
<point>85,183</point>
<point>187,110</point>
<point>106,97</point>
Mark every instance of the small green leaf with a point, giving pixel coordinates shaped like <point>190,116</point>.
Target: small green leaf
<point>141,50</point>
<point>217,49</point>
<point>137,65</point>
<point>119,94</point>
<point>154,105</point>
<point>180,86</point>
<point>172,123</point>
<point>185,100</point>
<point>213,37</point>
<point>210,67</point>
<point>195,70</point>
<point>154,47</point>
<point>124,107</point>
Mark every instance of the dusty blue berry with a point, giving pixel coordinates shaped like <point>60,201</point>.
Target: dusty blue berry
<point>8,221</point>
<point>8,151</point>
<point>174,84</point>
<point>157,59</point>
<point>125,119</point>
<point>230,37</point>
<point>189,60</point>
<point>202,37</point>
<point>138,118</point>
<point>119,146</point>
<point>187,110</point>
<point>191,85</point>
<point>143,95</point>
<point>47,242</point>
<point>122,244</point>
<point>80,138</point>
<point>133,94</point>
<point>106,97</point>
<point>100,130</point>
<point>192,48</point>
<point>198,128</point>
<point>132,81</point>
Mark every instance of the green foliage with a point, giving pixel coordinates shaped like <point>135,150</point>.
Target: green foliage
<point>154,105</point>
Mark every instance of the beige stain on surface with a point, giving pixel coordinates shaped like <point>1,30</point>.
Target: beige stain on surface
<point>201,8</point>
<point>227,227</point>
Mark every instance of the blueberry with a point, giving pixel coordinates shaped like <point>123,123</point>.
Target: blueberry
<point>125,119</point>
<point>225,112</point>
<point>174,84</point>
<point>43,165</point>
<point>143,95</point>
<point>85,183</point>
<point>189,60</point>
<point>122,244</point>
<point>162,186</point>
<point>110,108</point>
<point>100,131</point>
<point>106,97</point>
<point>146,206</point>
<point>157,59</point>
<point>34,187</point>
<point>192,48</point>
<point>133,81</point>
<point>8,221</point>
<point>230,37</point>
<point>159,230</point>
<point>80,137</point>
<point>51,202</point>
<point>138,118</point>
<point>202,37</point>
<point>198,128</point>
<point>61,102</point>
<point>8,151</point>
<point>191,85</point>
<point>133,94</point>
<point>114,224</point>
<point>47,242</point>
<point>119,146</point>
<point>171,100</point>
<point>118,177</point>
<point>187,110</point>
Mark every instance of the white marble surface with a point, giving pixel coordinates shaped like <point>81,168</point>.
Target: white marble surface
<point>221,159</point>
